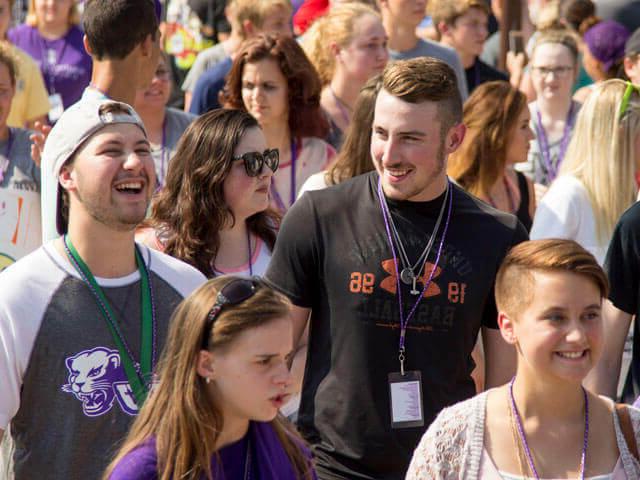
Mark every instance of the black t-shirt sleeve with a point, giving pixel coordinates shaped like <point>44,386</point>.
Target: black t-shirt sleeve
<point>490,313</point>
<point>293,269</point>
<point>622,262</point>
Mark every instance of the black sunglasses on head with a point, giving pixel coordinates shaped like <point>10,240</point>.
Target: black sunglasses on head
<point>254,161</point>
<point>233,293</point>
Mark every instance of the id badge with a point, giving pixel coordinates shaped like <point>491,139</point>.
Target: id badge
<point>406,399</point>
<point>55,101</point>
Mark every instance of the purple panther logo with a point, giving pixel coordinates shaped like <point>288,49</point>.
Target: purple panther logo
<point>97,379</point>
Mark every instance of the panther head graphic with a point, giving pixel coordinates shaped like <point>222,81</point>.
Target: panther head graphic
<point>91,377</point>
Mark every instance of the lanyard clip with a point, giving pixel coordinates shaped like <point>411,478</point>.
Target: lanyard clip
<point>402,358</point>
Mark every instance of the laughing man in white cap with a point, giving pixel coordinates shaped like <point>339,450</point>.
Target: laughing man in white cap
<point>84,317</point>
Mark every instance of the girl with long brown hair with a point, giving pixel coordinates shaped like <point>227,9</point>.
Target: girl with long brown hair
<point>498,135</point>
<point>214,210</point>
<point>222,378</point>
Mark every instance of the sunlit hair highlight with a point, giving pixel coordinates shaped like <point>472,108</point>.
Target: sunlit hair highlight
<point>515,280</point>
<point>189,212</point>
<point>426,79</point>
<point>601,153</point>
<point>490,115</point>
<point>180,414</point>
<point>336,26</point>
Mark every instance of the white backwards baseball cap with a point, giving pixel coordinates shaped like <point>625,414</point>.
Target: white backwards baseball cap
<point>76,125</point>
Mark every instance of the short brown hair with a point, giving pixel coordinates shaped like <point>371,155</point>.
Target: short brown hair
<point>448,11</point>
<point>514,281</point>
<point>426,79</point>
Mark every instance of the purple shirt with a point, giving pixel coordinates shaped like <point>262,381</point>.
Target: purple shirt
<point>267,460</point>
<point>64,63</point>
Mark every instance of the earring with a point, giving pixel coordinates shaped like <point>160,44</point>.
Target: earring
<point>208,380</point>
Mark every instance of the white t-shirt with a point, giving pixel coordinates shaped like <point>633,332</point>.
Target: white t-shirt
<point>565,212</point>
<point>314,182</point>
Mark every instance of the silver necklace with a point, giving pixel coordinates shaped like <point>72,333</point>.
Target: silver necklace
<point>408,275</point>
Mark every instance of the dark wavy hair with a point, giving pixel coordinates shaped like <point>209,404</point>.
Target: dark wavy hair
<point>190,210</point>
<point>303,84</point>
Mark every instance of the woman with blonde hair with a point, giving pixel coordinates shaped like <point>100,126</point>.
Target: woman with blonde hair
<point>52,37</point>
<point>347,47</point>
<point>222,378</point>
<point>498,135</point>
<point>597,180</point>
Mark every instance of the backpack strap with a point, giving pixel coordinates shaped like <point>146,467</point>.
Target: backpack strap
<point>627,429</point>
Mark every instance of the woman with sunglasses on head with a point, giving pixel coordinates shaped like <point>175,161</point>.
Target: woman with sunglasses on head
<point>164,124</point>
<point>213,212</point>
<point>272,79</point>
<point>597,179</point>
<point>222,378</point>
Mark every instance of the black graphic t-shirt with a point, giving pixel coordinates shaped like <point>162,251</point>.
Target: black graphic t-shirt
<point>622,265</point>
<point>332,255</point>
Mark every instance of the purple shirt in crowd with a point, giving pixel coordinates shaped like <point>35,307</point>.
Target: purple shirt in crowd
<point>64,63</point>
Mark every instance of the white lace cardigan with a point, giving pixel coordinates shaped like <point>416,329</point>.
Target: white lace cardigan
<point>452,446</point>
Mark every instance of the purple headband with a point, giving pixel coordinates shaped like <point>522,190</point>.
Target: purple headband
<point>606,42</point>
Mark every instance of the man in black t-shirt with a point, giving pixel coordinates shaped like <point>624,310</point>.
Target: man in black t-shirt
<point>622,265</point>
<point>400,249</point>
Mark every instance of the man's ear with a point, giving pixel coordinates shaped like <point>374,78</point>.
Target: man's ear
<point>146,46</point>
<point>206,364</point>
<point>85,42</point>
<point>249,29</point>
<point>454,137</point>
<point>443,28</point>
<point>506,325</point>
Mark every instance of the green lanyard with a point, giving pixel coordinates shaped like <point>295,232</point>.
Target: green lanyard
<point>139,379</point>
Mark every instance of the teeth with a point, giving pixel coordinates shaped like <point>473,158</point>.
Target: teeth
<point>130,186</point>
<point>397,173</point>
<point>571,354</point>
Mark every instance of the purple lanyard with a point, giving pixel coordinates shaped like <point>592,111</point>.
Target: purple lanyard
<point>523,437</point>
<point>386,214</point>
<point>292,194</point>
<point>543,142</point>
<point>7,155</point>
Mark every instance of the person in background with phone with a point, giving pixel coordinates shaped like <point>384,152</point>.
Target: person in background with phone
<point>462,25</point>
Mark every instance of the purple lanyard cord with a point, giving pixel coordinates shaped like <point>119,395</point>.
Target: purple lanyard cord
<point>404,322</point>
<point>523,437</point>
<point>543,142</point>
